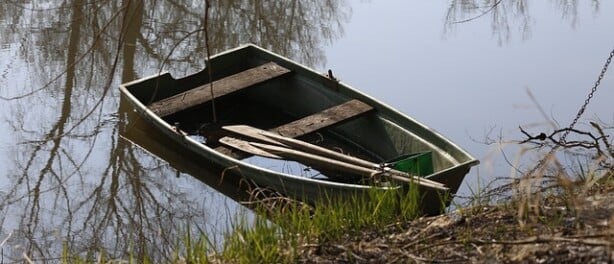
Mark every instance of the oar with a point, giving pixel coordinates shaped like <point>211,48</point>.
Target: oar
<point>253,132</point>
<point>246,147</point>
<point>276,139</point>
<point>321,161</point>
<point>322,152</point>
<point>315,149</point>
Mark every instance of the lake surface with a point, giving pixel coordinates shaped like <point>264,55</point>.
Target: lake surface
<point>79,171</point>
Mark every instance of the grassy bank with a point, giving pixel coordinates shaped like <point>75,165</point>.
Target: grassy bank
<point>555,214</point>
<point>567,222</point>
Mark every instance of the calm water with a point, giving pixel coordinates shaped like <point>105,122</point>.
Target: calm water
<point>79,171</point>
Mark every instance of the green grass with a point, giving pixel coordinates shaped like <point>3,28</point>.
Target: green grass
<point>278,236</point>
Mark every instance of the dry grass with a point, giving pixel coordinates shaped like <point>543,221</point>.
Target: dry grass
<point>557,231</point>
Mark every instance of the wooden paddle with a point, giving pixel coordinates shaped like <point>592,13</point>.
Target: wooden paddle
<point>325,157</point>
<point>326,162</point>
<point>278,152</point>
<point>315,149</point>
<point>246,147</point>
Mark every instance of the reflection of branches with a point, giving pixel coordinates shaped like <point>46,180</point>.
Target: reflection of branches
<point>498,11</point>
<point>569,9</point>
<point>69,65</point>
<point>293,28</point>
<point>53,176</point>
<point>460,12</point>
<point>130,219</point>
<point>490,9</point>
<point>72,177</point>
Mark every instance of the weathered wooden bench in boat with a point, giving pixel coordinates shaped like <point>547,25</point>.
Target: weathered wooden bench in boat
<point>255,102</point>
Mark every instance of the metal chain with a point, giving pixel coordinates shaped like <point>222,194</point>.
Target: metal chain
<point>590,96</point>
<point>580,112</point>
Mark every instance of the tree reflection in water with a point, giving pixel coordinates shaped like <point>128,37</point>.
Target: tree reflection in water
<point>73,182</point>
<point>503,15</point>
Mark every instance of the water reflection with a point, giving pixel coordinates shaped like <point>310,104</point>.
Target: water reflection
<point>506,16</point>
<point>72,181</point>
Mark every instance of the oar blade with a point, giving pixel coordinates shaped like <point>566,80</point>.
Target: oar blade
<point>245,146</point>
<point>252,132</point>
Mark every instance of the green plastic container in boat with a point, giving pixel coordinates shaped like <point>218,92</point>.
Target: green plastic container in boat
<point>420,164</point>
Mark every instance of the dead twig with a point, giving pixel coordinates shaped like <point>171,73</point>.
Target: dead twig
<point>531,240</point>
<point>541,137</point>
<point>546,239</point>
<point>426,260</point>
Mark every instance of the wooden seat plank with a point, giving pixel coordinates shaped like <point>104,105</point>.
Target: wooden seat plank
<point>224,86</point>
<point>323,119</point>
<point>311,123</point>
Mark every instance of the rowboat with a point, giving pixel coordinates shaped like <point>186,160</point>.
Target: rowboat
<point>251,108</point>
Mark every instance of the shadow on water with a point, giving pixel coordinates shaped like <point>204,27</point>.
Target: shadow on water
<point>144,135</point>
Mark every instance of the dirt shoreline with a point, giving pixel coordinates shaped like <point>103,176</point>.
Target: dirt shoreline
<point>563,228</point>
